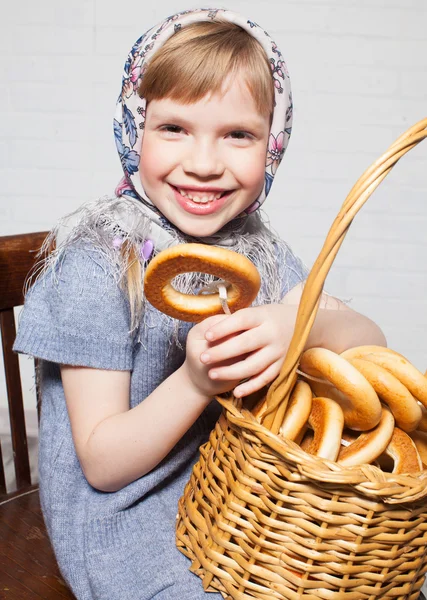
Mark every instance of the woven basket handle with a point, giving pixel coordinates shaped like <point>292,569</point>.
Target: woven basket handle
<point>279,391</point>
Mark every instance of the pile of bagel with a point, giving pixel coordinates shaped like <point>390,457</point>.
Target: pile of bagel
<point>367,405</point>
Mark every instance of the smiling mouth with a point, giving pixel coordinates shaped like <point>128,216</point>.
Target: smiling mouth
<point>202,196</point>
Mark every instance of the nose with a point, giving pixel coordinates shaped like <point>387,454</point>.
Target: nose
<point>203,160</point>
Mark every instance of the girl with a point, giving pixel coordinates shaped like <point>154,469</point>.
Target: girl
<point>202,123</point>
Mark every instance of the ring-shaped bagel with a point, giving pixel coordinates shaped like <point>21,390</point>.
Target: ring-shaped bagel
<point>360,351</point>
<point>358,399</point>
<point>420,440</point>
<point>297,411</point>
<point>403,451</point>
<point>237,270</point>
<point>327,422</point>
<point>396,364</point>
<point>422,425</point>
<point>366,447</point>
<point>403,405</point>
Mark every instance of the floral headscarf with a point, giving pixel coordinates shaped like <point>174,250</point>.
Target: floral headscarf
<point>129,215</point>
<point>130,114</point>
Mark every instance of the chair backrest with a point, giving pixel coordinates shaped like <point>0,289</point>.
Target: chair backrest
<point>17,258</point>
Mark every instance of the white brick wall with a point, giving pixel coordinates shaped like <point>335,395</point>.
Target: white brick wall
<point>358,69</point>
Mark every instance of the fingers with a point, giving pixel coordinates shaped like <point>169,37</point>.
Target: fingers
<point>211,322</point>
<point>199,331</point>
<point>244,368</point>
<point>244,346</point>
<point>241,320</point>
<point>234,345</point>
<point>248,347</point>
<point>258,382</point>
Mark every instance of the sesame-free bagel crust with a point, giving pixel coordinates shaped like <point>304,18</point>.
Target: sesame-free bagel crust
<point>235,269</point>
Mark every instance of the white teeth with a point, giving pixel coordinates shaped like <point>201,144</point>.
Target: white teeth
<point>200,199</point>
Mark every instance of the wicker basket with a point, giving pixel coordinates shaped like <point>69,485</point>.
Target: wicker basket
<point>262,519</point>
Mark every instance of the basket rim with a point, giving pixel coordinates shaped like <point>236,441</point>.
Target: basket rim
<point>367,479</point>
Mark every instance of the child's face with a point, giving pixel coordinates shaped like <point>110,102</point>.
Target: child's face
<point>203,163</point>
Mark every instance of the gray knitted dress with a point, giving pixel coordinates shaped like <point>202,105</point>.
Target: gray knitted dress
<point>121,545</point>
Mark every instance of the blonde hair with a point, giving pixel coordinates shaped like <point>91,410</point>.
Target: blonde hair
<point>199,57</point>
<point>192,62</point>
<point>132,282</point>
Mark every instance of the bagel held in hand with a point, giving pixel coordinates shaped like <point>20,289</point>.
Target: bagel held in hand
<point>231,267</point>
<point>249,345</point>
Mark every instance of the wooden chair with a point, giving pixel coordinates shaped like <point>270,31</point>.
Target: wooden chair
<point>28,569</point>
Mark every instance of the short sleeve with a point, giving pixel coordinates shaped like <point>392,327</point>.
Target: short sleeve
<point>77,314</point>
<point>293,271</point>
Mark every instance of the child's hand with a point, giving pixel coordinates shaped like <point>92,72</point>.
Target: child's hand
<point>250,344</point>
<point>197,345</point>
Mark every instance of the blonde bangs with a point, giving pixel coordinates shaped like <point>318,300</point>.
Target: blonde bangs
<point>200,57</point>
